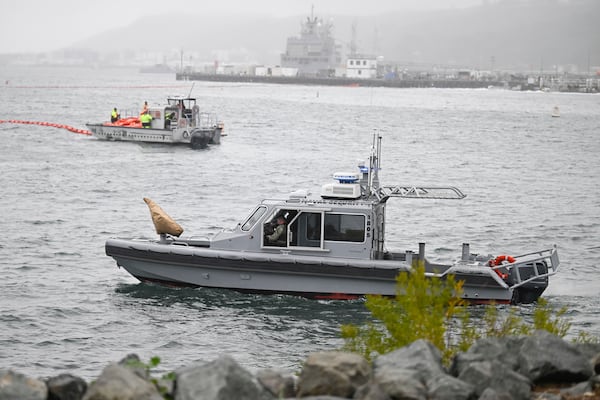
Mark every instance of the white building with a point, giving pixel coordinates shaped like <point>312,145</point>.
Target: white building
<point>364,67</point>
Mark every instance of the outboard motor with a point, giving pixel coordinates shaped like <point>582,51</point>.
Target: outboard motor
<point>531,291</point>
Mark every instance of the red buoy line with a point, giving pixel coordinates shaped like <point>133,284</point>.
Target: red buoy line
<point>43,123</point>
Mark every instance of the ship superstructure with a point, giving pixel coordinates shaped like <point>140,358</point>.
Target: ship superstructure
<point>315,53</point>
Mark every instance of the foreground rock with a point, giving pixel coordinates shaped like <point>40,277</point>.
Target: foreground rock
<point>541,366</point>
<point>333,373</point>
<point>221,379</point>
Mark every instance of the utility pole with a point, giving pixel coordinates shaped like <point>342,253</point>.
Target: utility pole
<point>181,62</point>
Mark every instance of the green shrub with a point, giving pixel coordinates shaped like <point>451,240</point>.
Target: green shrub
<point>543,318</point>
<point>432,308</point>
<point>422,309</point>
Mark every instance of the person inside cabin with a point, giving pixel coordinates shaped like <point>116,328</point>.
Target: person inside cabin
<point>114,115</point>
<point>181,108</point>
<point>168,118</point>
<point>146,119</point>
<point>278,235</point>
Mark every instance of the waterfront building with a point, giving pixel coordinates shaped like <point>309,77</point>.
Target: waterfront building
<point>361,67</point>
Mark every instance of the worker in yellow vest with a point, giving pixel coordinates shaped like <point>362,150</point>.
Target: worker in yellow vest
<point>146,119</point>
<point>114,115</point>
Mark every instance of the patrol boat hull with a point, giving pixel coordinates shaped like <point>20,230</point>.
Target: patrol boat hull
<point>328,247</point>
<point>182,263</point>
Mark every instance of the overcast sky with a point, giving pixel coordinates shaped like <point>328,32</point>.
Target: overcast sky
<point>39,25</point>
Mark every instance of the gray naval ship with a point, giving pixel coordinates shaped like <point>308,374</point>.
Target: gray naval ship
<point>314,53</point>
<point>326,247</point>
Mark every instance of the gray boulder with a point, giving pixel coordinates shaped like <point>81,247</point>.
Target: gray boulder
<point>324,397</point>
<point>400,383</point>
<point>446,387</point>
<point>371,391</point>
<point>547,358</point>
<point>596,364</point>
<point>494,375</point>
<point>591,351</point>
<point>66,387</point>
<point>117,382</point>
<point>420,356</point>
<point>416,372</point>
<point>333,373</point>
<point>133,362</point>
<point>279,384</point>
<point>14,385</point>
<point>221,379</point>
<point>404,373</point>
<point>504,350</point>
<point>577,391</point>
<point>491,394</point>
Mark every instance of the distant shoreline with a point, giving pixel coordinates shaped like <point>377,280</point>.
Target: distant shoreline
<point>334,81</point>
<point>519,85</point>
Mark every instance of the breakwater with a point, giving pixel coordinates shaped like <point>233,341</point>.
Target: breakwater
<point>541,366</point>
<point>513,82</point>
<point>392,83</point>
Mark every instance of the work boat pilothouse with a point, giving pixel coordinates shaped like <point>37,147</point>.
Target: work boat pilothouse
<point>327,247</point>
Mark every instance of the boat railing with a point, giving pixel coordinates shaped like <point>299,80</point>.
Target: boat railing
<point>419,192</point>
<point>128,113</point>
<point>203,120</point>
<point>539,264</point>
<point>206,120</point>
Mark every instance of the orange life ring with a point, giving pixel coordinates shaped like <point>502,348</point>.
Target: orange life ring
<point>498,261</point>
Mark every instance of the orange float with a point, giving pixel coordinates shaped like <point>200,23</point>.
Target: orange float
<point>499,261</point>
<point>45,123</point>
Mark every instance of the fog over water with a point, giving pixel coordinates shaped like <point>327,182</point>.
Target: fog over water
<point>34,26</point>
<point>525,35</point>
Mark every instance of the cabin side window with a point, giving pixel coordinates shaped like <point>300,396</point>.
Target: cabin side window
<point>254,218</point>
<point>277,230</point>
<point>345,227</point>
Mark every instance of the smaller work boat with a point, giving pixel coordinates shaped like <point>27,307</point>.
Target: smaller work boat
<point>327,247</point>
<point>177,122</point>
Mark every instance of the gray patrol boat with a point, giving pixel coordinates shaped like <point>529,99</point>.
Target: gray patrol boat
<point>327,247</point>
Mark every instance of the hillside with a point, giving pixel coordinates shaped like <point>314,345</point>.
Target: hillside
<point>503,34</point>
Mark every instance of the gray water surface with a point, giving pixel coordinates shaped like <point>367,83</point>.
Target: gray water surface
<point>531,182</point>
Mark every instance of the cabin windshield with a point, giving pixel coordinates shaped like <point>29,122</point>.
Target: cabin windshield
<point>253,218</point>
